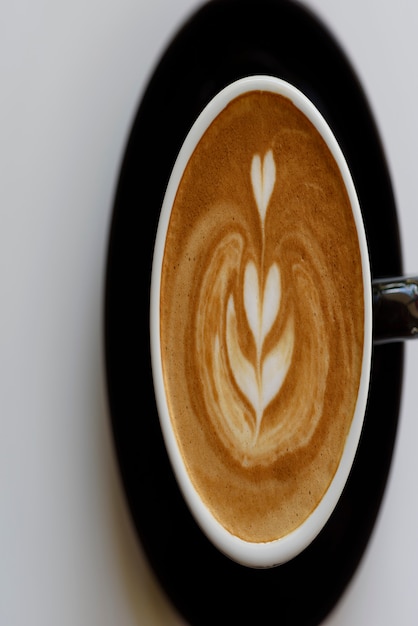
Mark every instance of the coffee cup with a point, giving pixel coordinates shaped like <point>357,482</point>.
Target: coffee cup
<point>263,317</point>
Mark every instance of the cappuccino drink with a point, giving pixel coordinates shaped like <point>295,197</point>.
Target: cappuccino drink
<point>261,317</point>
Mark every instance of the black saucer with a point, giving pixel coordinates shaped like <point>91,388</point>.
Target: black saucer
<point>222,42</point>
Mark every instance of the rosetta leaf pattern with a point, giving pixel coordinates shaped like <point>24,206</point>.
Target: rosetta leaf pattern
<point>260,382</point>
<point>245,333</point>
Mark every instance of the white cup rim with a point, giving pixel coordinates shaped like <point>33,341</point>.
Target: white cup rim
<point>284,549</point>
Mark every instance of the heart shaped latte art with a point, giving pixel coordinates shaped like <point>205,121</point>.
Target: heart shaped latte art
<point>263,177</point>
<point>261,381</point>
<point>246,338</point>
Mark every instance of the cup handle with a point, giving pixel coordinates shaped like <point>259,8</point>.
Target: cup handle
<point>395,309</point>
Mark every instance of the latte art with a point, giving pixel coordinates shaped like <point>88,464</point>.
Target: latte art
<point>261,317</point>
<point>238,389</point>
<point>238,383</point>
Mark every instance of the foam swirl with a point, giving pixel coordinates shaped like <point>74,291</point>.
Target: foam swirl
<point>241,386</point>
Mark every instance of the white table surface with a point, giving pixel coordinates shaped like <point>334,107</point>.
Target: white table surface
<point>71,75</point>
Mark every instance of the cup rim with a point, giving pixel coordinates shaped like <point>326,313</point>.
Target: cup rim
<point>278,551</point>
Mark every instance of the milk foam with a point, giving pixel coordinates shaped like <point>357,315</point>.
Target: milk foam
<point>261,317</point>
<point>258,380</point>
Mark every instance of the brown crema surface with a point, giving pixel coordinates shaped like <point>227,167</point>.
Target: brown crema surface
<point>261,317</point>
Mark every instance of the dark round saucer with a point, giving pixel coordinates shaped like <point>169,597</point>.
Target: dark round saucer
<point>226,40</point>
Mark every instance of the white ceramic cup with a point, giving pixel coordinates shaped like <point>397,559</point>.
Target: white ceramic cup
<point>266,554</point>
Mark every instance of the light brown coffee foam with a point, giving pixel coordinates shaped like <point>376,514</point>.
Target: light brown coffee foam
<point>263,491</point>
